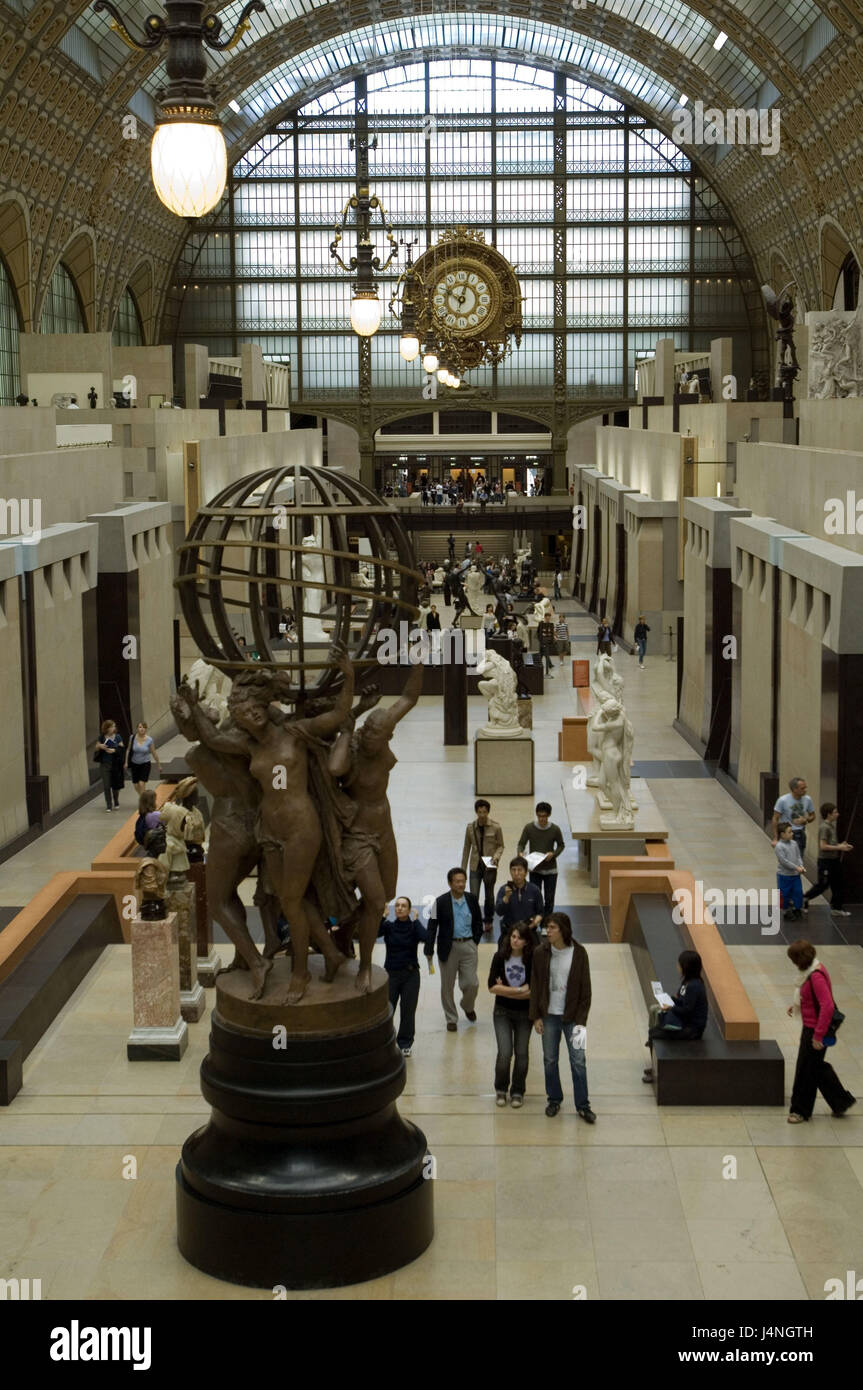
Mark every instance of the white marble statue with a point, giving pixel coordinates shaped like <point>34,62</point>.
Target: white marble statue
<point>214,686</point>
<point>474,583</point>
<point>607,687</point>
<point>313,599</point>
<point>500,688</point>
<point>835,354</point>
<point>610,735</point>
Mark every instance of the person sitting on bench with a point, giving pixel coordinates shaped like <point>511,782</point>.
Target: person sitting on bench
<point>686,1020</point>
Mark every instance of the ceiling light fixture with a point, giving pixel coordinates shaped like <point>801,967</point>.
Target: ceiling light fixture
<point>188,158</point>
<point>366,307</point>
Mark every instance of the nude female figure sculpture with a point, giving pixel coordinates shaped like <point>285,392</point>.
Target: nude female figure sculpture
<point>234,850</point>
<point>290,828</point>
<point>363,760</point>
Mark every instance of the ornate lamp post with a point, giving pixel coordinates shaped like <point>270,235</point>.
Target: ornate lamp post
<point>365,306</point>
<point>188,159</point>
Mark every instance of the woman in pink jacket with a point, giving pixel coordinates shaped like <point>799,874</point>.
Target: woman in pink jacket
<point>814,1000</point>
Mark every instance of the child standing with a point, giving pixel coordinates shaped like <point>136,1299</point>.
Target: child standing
<point>790,870</point>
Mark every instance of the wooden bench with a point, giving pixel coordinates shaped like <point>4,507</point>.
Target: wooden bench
<point>621,863</point>
<point>716,1069</point>
<point>572,740</point>
<point>35,990</point>
<point>728,998</point>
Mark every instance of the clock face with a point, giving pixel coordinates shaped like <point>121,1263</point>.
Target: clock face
<point>464,298</point>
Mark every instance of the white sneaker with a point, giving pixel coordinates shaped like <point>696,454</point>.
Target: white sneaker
<point>839,912</point>
<point>406,1052</point>
<point>500,1098</point>
<point>517,1102</point>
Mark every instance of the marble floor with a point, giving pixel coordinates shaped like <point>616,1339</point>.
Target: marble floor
<point>526,1207</point>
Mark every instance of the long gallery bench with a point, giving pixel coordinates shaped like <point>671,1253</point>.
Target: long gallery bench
<point>731,1064</point>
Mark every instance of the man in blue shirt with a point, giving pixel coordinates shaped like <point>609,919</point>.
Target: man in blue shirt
<point>456,925</point>
<point>518,900</point>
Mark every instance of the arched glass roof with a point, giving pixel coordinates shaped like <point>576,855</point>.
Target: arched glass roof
<point>783,23</point>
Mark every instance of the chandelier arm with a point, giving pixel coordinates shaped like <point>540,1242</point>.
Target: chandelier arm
<point>154,26</point>
<point>212,27</point>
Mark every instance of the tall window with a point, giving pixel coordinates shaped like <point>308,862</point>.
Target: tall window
<point>10,327</point>
<point>62,311</point>
<point>648,252</point>
<point>128,329</point>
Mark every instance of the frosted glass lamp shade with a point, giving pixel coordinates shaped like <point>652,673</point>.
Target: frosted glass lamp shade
<point>454,381</point>
<point>189,165</point>
<point>365,313</point>
<point>442,375</point>
<point>409,346</point>
<point>430,362</point>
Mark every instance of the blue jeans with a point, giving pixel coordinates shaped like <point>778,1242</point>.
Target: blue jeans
<point>791,888</point>
<point>552,1027</point>
<point>641,647</point>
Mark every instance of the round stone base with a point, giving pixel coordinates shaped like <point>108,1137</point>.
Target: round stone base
<point>306,1175</point>
<point>326,1007</point>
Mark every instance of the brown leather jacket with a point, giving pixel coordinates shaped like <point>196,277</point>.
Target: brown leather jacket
<point>578,996</point>
<point>492,843</point>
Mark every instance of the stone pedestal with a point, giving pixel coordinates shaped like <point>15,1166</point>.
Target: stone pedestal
<point>306,1176</point>
<point>503,766</point>
<point>180,899</point>
<point>159,1032</point>
<point>209,962</point>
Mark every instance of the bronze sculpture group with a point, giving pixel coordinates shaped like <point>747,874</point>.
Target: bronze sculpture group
<point>302,797</point>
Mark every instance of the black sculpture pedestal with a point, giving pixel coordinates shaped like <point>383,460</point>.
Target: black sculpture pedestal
<point>306,1176</point>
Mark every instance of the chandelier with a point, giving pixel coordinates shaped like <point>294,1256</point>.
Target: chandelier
<point>365,305</point>
<point>188,159</point>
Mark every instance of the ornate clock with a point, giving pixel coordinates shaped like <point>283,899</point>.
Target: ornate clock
<point>470,301</point>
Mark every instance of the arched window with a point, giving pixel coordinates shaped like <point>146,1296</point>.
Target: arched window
<point>128,328</point>
<point>647,250</point>
<point>849,283</point>
<point>10,327</point>
<point>62,311</point>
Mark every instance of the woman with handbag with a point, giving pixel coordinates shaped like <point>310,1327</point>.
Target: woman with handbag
<point>813,999</point>
<point>109,756</point>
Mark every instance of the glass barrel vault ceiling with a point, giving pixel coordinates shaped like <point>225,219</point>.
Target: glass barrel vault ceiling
<point>648,249</point>
<point>784,23</point>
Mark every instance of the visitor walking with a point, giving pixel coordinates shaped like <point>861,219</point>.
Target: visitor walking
<point>109,756</point>
<point>686,1020</point>
<point>542,836</point>
<point>139,756</point>
<point>604,639</point>
<point>518,900</point>
<point>814,1002</point>
<point>797,808</point>
<point>789,872</point>
<point>450,542</point>
<point>641,631</point>
<point>509,982</point>
<point>483,841</point>
<point>456,927</point>
<point>558,582</point>
<point>546,639</point>
<point>401,938</point>
<point>561,637</point>
<point>433,620</point>
<point>489,621</point>
<point>559,1006</point>
<point>830,868</point>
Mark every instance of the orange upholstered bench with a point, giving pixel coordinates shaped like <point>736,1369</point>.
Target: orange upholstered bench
<point>620,863</point>
<point>729,1002</point>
